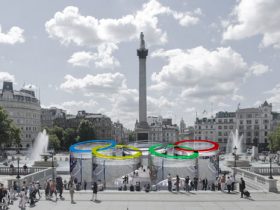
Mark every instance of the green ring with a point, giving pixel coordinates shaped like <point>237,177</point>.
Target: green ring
<point>153,148</point>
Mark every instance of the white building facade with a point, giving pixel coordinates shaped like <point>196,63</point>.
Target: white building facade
<point>24,109</point>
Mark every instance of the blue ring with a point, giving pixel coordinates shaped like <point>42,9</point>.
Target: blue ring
<point>73,148</point>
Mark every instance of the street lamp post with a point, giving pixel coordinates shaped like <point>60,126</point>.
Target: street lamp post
<point>52,153</point>
<point>18,176</point>
<point>270,166</point>
<point>234,153</point>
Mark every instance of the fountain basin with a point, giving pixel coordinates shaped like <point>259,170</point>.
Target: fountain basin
<point>239,163</point>
<point>45,163</point>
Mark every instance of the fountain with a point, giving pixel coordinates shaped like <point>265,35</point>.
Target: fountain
<point>40,150</point>
<point>40,146</point>
<point>238,156</point>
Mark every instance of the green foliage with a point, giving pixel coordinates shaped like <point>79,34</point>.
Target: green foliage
<point>69,138</point>
<point>274,140</point>
<point>54,142</point>
<point>86,130</point>
<point>9,133</point>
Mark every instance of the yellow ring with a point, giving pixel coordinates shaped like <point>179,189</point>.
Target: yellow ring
<point>96,153</point>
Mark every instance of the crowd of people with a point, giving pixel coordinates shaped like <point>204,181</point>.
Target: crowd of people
<point>222,183</point>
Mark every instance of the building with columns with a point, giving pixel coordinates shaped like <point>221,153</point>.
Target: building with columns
<point>254,124</point>
<point>24,109</point>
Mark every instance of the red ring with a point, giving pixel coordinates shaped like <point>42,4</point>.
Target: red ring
<point>214,148</point>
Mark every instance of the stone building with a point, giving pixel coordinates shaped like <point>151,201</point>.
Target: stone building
<point>24,109</point>
<point>102,123</point>
<point>48,116</point>
<point>254,124</point>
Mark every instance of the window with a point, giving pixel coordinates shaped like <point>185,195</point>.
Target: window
<point>225,120</point>
<point>249,127</point>
<point>220,140</point>
<point>219,133</point>
<point>248,133</point>
<point>265,133</point>
<point>241,122</point>
<point>249,116</point>
<point>240,116</point>
<point>225,127</point>
<point>231,120</point>
<point>225,134</point>
<point>256,127</point>
<point>231,127</point>
<point>256,121</point>
<point>241,127</point>
<point>220,127</point>
<point>220,121</point>
<point>265,127</point>
<point>249,121</point>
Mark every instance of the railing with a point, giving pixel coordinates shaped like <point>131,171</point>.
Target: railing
<point>256,180</point>
<point>263,170</point>
<point>22,171</point>
<point>41,176</point>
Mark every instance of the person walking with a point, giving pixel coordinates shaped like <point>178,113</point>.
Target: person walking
<point>204,184</point>
<point>71,187</point>
<point>187,186</point>
<point>23,199</point>
<point>223,181</point>
<point>228,183</point>
<point>195,183</point>
<point>85,185</point>
<point>169,181</point>
<point>94,191</point>
<point>232,183</point>
<point>177,183</point>
<point>242,186</point>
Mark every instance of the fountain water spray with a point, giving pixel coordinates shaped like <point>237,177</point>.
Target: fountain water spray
<point>40,146</point>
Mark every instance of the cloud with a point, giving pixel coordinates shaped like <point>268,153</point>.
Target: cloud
<point>69,26</point>
<point>74,106</point>
<point>103,58</point>
<point>250,18</point>
<point>5,76</point>
<point>94,84</point>
<point>13,36</point>
<point>259,69</point>
<point>201,74</point>
<point>275,95</point>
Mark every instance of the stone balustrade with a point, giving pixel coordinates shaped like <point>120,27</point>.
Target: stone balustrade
<point>263,170</point>
<point>41,176</point>
<point>256,180</point>
<point>21,170</point>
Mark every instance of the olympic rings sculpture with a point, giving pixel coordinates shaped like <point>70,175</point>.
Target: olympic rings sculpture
<point>74,149</point>
<point>96,153</point>
<point>215,146</point>
<point>153,148</point>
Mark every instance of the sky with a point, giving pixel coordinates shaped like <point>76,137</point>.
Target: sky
<point>204,56</point>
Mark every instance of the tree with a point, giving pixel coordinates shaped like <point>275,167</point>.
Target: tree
<point>274,140</point>
<point>9,133</point>
<point>69,138</point>
<point>54,142</point>
<point>86,130</point>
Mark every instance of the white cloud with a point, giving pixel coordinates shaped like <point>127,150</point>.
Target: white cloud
<point>102,59</point>
<point>30,87</point>
<point>5,76</point>
<point>259,69</point>
<point>250,18</point>
<point>95,84</point>
<point>13,36</point>
<point>74,106</point>
<point>275,95</point>
<point>200,74</point>
<point>69,26</point>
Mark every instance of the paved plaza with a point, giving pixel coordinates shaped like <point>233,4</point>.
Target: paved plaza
<point>162,200</point>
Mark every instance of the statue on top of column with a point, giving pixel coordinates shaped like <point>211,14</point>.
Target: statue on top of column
<point>142,43</point>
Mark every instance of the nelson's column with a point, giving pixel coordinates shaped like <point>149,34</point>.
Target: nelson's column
<point>142,127</point>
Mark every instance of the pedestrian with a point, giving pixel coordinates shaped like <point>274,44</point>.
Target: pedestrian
<point>47,189</point>
<point>59,186</point>
<point>242,186</point>
<point>71,187</point>
<point>232,182</point>
<point>169,182</point>
<point>204,184</point>
<point>195,183</point>
<point>94,191</point>
<point>37,188</point>
<point>23,199</point>
<point>228,183</point>
<point>85,185</point>
<point>187,186</point>
<point>177,183</point>
<point>53,189</point>
<point>25,168</point>
<point>223,181</point>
